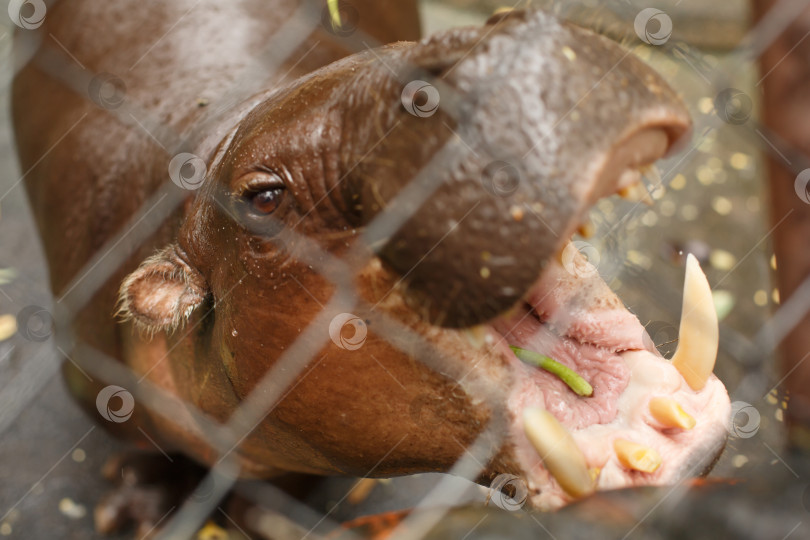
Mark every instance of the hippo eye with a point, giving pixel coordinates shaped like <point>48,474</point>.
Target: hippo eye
<point>261,202</point>
<point>262,194</point>
<point>266,201</point>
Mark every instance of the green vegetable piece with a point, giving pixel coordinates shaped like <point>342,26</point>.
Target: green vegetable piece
<point>334,11</point>
<point>567,375</point>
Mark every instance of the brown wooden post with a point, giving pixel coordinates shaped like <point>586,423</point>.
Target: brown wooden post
<point>785,69</point>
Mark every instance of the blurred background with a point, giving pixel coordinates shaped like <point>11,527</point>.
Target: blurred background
<point>708,200</point>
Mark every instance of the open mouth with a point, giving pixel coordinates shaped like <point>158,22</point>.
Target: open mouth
<point>648,420</point>
<point>645,419</point>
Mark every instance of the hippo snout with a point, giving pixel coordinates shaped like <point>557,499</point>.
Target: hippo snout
<point>519,128</point>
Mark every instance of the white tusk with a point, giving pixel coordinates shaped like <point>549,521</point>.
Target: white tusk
<point>559,452</point>
<point>698,337</point>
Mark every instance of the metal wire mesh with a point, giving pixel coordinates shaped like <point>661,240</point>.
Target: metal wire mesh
<point>623,231</point>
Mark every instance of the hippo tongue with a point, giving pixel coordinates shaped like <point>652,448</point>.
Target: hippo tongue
<point>571,315</point>
<point>579,322</point>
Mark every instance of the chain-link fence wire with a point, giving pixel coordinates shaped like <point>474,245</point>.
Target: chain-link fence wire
<point>732,112</point>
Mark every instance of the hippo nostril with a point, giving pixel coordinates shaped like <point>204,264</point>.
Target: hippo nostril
<point>512,160</point>
<point>621,166</point>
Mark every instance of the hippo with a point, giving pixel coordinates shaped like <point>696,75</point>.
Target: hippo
<point>358,264</point>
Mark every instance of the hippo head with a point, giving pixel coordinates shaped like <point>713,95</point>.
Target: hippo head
<point>375,236</point>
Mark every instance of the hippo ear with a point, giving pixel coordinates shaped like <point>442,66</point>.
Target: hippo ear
<point>162,293</point>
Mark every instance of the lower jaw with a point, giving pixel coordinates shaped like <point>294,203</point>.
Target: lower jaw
<point>683,453</point>
<point>596,422</point>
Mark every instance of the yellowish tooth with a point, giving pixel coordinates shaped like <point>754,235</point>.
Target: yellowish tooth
<point>559,452</point>
<point>586,230</point>
<point>361,490</point>
<point>628,178</point>
<point>636,193</point>
<point>669,413</point>
<point>652,174</point>
<point>475,335</point>
<point>698,337</point>
<point>560,260</point>
<point>636,456</point>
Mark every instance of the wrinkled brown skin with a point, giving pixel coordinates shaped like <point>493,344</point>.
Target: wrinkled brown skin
<point>353,411</point>
<point>87,187</point>
<point>786,110</point>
